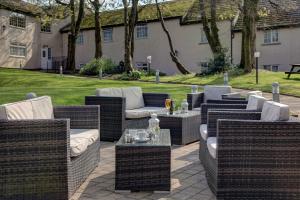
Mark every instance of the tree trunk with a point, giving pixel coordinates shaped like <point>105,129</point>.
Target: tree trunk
<point>249,35</point>
<point>71,53</point>
<point>211,31</point>
<point>173,55</point>
<point>98,37</point>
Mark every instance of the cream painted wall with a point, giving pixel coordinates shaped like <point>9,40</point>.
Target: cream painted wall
<point>283,54</point>
<point>186,41</point>
<point>29,36</point>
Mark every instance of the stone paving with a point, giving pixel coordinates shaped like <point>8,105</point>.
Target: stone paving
<point>188,178</point>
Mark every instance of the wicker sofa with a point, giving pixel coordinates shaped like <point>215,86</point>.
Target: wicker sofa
<point>47,152</point>
<point>254,155</point>
<point>123,108</point>
<point>255,103</point>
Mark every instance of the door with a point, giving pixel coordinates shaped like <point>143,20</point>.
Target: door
<point>46,58</point>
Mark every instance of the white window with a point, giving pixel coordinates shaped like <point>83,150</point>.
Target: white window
<point>273,68</point>
<point>46,28</point>
<point>17,49</point>
<point>203,37</point>
<point>271,36</point>
<point>80,39</point>
<point>141,31</point>
<point>108,35</point>
<point>17,20</point>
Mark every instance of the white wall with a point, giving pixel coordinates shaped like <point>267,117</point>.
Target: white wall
<point>186,41</point>
<point>286,52</point>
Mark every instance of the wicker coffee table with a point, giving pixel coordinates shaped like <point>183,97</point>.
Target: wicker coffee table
<point>144,166</point>
<point>184,128</point>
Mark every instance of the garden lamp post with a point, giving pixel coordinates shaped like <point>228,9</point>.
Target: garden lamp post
<point>149,59</point>
<point>276,92</point>
<point>157,76</point>
<point>226,79</point>
<point>257,55</point>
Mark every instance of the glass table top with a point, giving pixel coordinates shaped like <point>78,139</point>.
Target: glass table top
<point>162,139</point>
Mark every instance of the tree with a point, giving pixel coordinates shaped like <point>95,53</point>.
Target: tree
<point>250,14</point>
<point>76,14</point>
<point>210,27</point>
<point>130,19</point>
<point>173,55</point>
<point>96,5</point>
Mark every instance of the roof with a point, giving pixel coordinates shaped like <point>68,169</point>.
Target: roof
<point>20,6</point>
<point>282,13</point>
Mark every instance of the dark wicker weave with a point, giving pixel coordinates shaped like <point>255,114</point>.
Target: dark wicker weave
<point>195,100</point>
<point>184,128</point>
<point>204,110</point>
<point>113,121</point>
<point>36,163</point>
<point>256,160</point>
<point>144,167</point>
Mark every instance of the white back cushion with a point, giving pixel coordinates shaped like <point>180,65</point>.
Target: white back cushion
<point>134,97</point>
<point>258,93</point>
<point>42,108</point>
<point>273,111</point>
<point>215,92</point>
<point>16,111</point>
<point>109,92</point>
<point>256,102</point>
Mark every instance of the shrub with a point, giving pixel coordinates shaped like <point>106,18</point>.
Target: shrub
<point>93,67</point>
<point>134,75</point>
<point>152,73</point>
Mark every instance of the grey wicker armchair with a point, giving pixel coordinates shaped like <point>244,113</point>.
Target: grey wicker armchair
<point>115,114</point>
<point>256,155</point>
<point>36,155</point>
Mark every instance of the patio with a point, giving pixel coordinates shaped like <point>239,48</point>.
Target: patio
<point>188,178</point>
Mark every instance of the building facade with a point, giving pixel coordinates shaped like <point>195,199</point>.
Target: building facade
<point>277,39</point>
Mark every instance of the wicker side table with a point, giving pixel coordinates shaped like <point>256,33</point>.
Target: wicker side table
<point>184,128</point>
<point>144,166</point>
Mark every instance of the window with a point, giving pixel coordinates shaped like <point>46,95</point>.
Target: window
<point>273,68</point>
<point>46,28</point>
<point>17,20</point>
<point>271,36</point>
<point>142,31</point>
<point>108,35</point>
<point>17,49</point>
<point>79,39</point>
<point>203,38</point>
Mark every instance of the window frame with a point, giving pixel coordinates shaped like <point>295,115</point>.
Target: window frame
<point>271,36</point>
<point>46,28</point>
<point>271,68</point>
<point>203,38</point>
<point>104,32</point>
<point>17,17</point>
<point>80,39</point>
<point>142,31</point>
<point>18,47</point>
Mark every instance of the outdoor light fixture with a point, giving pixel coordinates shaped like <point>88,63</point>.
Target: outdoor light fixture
<point>226,79</point>
<point>257,55</point>
<point>149,59</point>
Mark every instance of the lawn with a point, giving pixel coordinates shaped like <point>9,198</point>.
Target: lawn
<point>246,81</point>
<point>14,84</point>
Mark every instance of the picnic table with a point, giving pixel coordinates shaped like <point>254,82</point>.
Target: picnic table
<point>292,70</point>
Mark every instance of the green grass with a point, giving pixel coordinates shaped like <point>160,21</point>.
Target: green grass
<point>246,81</point>
<point>14,84</point>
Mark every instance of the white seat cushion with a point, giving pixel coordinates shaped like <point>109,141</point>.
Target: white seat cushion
<point>134,97</point>
<point>233,95</point>
<point>273,111</point>
<point>16,111</point>
<point>80,139</point>
<point>256,102</point>
<point>203,131</point>
<point>215,92</point>
<point>197,109</point>
<point>109,92</point>
<point>212,146</point>
<point>144,112</point>
<point>42,107</point>
<point>258,93</point>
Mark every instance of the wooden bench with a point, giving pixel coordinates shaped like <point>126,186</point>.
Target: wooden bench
<point>292,70</point>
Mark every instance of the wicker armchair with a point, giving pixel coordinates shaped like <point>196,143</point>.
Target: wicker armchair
<point>113,113</point>
<point>254,159</point>
<point>36,160</point>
